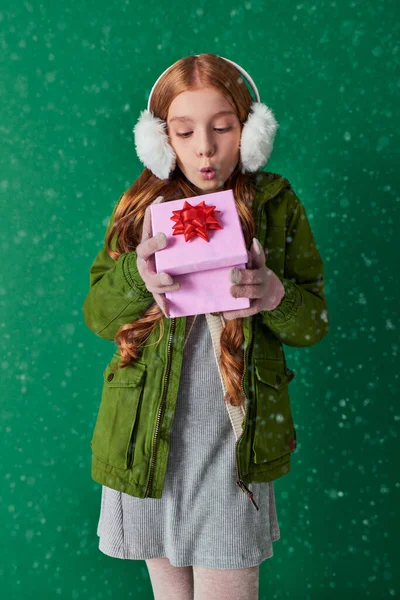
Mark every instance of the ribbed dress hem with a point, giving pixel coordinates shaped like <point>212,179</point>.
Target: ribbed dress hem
<point>209,562</point>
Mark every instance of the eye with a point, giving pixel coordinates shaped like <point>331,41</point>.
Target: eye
<point>185,135</point>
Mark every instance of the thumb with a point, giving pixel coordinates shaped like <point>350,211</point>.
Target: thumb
<point>158,200</point>
<point>147,224</point>
<point>257,253</point>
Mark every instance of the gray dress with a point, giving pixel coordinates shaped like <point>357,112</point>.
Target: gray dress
<point>203,517</point>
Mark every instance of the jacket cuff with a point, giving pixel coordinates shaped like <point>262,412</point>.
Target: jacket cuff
<point>287,308</point>
<point>132,275</point>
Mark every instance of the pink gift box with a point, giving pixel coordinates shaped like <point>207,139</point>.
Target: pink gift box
<point>202,268</point>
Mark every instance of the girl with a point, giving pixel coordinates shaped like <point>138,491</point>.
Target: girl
<point>195,423</point>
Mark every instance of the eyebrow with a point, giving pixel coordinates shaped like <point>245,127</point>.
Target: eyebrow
<point>221,112</point>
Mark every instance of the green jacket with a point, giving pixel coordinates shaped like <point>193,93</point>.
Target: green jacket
<point>130,441</point>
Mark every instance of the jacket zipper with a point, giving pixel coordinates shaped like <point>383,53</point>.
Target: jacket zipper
<point>153,460</point>
<point>239,481</point>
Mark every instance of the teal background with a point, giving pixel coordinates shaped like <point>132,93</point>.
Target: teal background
<point>74,78</point>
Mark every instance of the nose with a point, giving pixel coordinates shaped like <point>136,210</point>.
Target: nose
<point>206,144</point>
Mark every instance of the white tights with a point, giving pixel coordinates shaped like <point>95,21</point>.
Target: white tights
<point>198,583</point>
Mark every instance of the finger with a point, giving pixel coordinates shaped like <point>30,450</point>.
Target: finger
<point>249,260</point>
<point>246,276</point>
<point>257,254</point>
<point>230,315</point>
<point>147,228</point>
<point>158,282</point>
<point>238,314</point>
<point>156,288</point>
<point>149,246</point>
<point>246,291</point>
<point>163,303</point>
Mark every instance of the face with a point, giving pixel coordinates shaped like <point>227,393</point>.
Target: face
<point>201,137</point>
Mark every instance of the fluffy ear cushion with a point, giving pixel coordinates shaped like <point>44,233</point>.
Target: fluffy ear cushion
<point>257,138</point>
<point>152,145</point>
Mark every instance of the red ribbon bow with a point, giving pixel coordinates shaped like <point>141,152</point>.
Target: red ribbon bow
<point>195,220</point>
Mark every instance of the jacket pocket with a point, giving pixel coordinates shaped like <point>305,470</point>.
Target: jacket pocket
<point>274,432</point>
<point>113,436</point>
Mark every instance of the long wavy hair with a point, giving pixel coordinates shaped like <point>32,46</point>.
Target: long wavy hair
<point>189,73</point>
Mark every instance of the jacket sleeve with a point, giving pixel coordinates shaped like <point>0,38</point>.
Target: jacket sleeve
<point>301,318</point>
<point>117,293</point>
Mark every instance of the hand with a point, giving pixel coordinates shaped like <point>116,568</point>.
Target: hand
<point>156,283</point>
<point>257,282</point>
